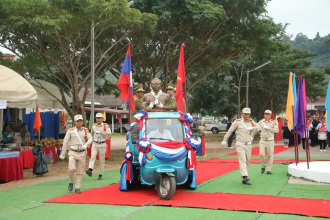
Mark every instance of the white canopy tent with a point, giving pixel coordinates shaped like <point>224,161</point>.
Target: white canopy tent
<point>48,94</point>
<point>22,93</point>
<point>16,90</point>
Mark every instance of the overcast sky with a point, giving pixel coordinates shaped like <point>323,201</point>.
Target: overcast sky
<point>305,16</point>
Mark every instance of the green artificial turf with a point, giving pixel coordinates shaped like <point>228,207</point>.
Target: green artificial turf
<point>27,197</point>
<point>262,184</point>
<point>306,191</point>
<point>72,211</point>
<point>169,213</point>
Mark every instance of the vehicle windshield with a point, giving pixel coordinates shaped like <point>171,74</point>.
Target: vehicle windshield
<point>160,129</point>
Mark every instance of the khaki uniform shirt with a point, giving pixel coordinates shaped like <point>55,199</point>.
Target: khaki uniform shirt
<point>103,134</point>
<point>138,106</point>
<point>267,133</point>
<point>172,105</point>
<point>71,138</point>
<point>240,127</point>
<point>164,98</point>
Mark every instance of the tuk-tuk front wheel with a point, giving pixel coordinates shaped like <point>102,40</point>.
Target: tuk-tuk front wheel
<point>166,186</point>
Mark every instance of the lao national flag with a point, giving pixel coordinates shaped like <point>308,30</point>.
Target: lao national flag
<point>125,83</point>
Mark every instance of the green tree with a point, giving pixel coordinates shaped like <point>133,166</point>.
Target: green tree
<point>214,32</point>
<point>53,39</point>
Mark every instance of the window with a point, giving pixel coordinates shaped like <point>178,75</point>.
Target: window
<point>164,130</point>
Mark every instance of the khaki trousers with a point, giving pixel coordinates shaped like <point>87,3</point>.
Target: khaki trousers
<point>77,162</point>
<point>244,156</point>
<point>269,147</point>
<point>98,148</point>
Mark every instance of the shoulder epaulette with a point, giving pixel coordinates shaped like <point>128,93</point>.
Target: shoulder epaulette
<point>239,119</point>
<point>262,119</point>
<point>84,128</point>
<point>71,128</point>
<point>94,124</point>
<point>104,123</point>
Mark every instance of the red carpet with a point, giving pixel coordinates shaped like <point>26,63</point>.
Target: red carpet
<point>269,204</point>
<point>144,195</point>
<point>255,150</point>
<point>112,196</point>
<point>235,160</point>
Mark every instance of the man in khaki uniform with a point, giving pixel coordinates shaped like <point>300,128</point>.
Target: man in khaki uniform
<point>267,127</point>
<point>100,131</point>
<point>156,97</point>
<point>138,94</point>
<point>76,141</point>
<point>172,105</point>
<point>243,129</point>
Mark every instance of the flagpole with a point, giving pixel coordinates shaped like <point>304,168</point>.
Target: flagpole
<point>92,73</point>
<point>185,94</point>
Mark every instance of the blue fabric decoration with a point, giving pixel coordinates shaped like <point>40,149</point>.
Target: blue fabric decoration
<point>193,184</point>
<point>123,182</point>
<point>169,158</point>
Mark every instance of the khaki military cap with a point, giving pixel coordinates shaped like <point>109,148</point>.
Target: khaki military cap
<point>171,86</point>
<point>268,112</point>
<point>78,117</point>
<point>99,115</point>
<point>246,110</point>
<point>138,88</point>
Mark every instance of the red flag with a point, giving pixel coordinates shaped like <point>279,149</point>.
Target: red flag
<point>37,120</point>
<point>278,135</point>
<point>125,82</point>
<point>180,80</point>
<point>63,119</point>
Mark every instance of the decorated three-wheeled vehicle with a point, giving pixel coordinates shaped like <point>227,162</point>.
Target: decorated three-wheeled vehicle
<point>160,151</point>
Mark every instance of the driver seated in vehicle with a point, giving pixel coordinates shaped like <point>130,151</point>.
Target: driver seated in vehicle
<point>161,132</point>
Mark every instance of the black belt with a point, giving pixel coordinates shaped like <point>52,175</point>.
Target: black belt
<point>78,150</point>
<point>99,142</point>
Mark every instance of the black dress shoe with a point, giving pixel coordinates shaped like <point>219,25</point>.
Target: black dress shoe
<point>89,173</point>
<point>246,180</point>
<point>77,191</point>
<point>99,178</point>
<point>70,187</point>
<point>269,172</point>
<point>262,170</point>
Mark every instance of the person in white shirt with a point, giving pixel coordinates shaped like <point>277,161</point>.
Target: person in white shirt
<point>161,132</point>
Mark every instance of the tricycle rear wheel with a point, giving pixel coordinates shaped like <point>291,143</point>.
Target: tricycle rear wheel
<point>166,186</point>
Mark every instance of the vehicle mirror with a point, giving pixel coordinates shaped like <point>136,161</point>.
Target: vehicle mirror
<point>134,135</point>
<point>134,138</point>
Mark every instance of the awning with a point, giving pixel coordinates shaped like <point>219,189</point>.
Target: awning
<point>108,110</point>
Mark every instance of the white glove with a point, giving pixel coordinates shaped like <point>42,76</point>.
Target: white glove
<point>266,127</point>
<point>160,105</point>
<point>84,146</point>
<point>250,128</point>
<point>223,143</point>
<point>97,132</point>
<point>151,105</point>
<point>62,157</point>
<point>251,138</point>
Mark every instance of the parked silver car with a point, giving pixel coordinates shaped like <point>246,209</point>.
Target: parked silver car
<point>216,127</point>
